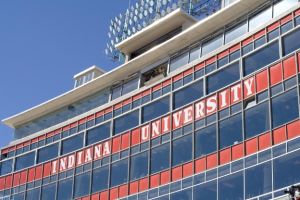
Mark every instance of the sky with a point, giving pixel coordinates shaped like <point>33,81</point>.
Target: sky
<point>43,44</point>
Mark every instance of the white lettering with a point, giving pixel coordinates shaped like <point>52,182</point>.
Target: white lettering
<point>199,110</point>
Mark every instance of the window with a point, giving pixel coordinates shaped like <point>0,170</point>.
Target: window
<point>236,32</point>
<point>206,191</point>
<point>71,144</point>
<point>33,194</point>
<point>285,108</point>
<point>82,184</point>
<point>258,180</point>
<point>160,158</point>
<point>231,131</point>
<point>194,53</point>
<point>223,77</point>
<point>282,6</point>
<point>291,42</point>
<point>100,179</point>
<point>188,94</point>
<point>286,170</point>
<point>98,133</point>
<point>260,18</point>
<point>65,189</point>
<point>184,194</point>
<point>206,141</point>
<point>139,166</point>
<point>261,58</point>
<point>126,122</point>
<point>48,192</point>
<point>182,150</point>
<point>231,187</point>
<point>179,61</point>
<point>130,86</point>
<point>48,153</point>
<point>119,172</point>
<point>212,44</point>
<point>25,161</point>
<point>116,92</point>
<point>156,109</point>
<point>257,120</point>
<point>6,166</point>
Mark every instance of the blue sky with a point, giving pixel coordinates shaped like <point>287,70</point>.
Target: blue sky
<point>43,44</point>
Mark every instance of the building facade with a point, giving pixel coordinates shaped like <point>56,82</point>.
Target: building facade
<point>211,111</point>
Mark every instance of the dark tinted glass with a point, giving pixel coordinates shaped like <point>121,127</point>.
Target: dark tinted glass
<point>261,58</point>
<point>72,144</point>
<point>206,141</point>
<point>184,194</point>
<point>25,161</point>
<point>291,42</point>
<point>286,170</point>
<point>119,172</point>
<point>126,122</point>
<point>182,150</point>
<point>48,192</point>
<point>33,194</point>
<point>82,184</point>
<point>48,153</point>
<point>139,166</point>
<point>257,120</point>
<point>64,191</point>
<point>100,179</point>
<point>285,108</point>
<point>160,158</point>
<point>156,109</point>
<point>223,77</point>
<point>98,133</point>
<point>6,166</point>
<point>206,191</point>
<point>231,187</point>
<point>188,94</point>
<point>231,130</point>
<point>258,180</point>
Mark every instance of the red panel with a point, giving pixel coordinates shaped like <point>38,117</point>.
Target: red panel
<point>164,177</point>
<point>276,74</point>
<point>223,54</point>
<point>23,178</point>
<point>157,87</point>
<point>98,114</point>
<point>167,82</point>
<point>251,146</point>
<point>127,101</point>
<point>82,121</point>
<point>224,99</point>
<point>235,48</point>
<point>297,12</point>
<point>38,172</point>
<point>3,151</point>
<point>108,110</point>
<point>211,60</point>
<point>200,165</point>
<point>262,81</point>
<point>289,67</point>
<point>199,66</point>
<point>136,97</point>
<point>135,137</point>
<point>176,173</point>
<point>293,129</point>
<point>286,19</point>
<point>73,125</point>
<point>65,128</point>
<point>273,26</point>
<point>125,141</point>
<point>298,62</point>
<point>144,184</point>
<point>260,34</point>
<point>188,169</point>
<point>2,183</point>
<point>95,197</point>
<point>31,174</point>
<point>8,182</point>
<point>264,141</point>
<point>212,161</point>
<point>91,117</point>
<point>123,191</point>
<point>86,198</point>
<point>16,179</point>
<point>237,151</point>
<point>117,106</point>
<point>188,72</point>
<point>116,144</point>
<point>104,195</point>
<point>154,181</point>
<point>19,146</point>
<point>42,137</point>
<point>279,135</point>
<point>247,41</point>
<point>134,187</point>
<point>236,93</point>
<point>249,87</point>
<point>113,194</point>
<point>47,169</point>
<point>12,148</point>
<point>178,77</point>
<point>225,156</point>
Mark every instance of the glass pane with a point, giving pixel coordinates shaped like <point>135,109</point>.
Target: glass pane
<point>188,94</point>
<point>65,189</point>
<point>231,187</point>
<point>184,194</point>
<point>48,153</point>
<point>194,53</point>
<point>236,32</point>
<point>156,109</point>
<point>179,61</point>
<point>82,184</point>
<point>182,150</point>
<point>98,133</point>
<point>48,192</point>
<point>126,122</point>
<point>119,172</point>
<point>283,6</point>
<point>25,161</point>
<point>33,194</point>
<point>139,166</point>
<point>116,92</point>
<point>206,191</point>
<point>206,141</point>
<point>72,144</point>
<point>260,19</point>
<point>160,158</point>
<point>291,42</point>
<point>6,166</point>
<point>100,179</point>
<point>130,86</point>
<point>212,44</point>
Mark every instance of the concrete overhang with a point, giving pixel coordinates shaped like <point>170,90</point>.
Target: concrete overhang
<point>177,18</point>
<point>182,40</point>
